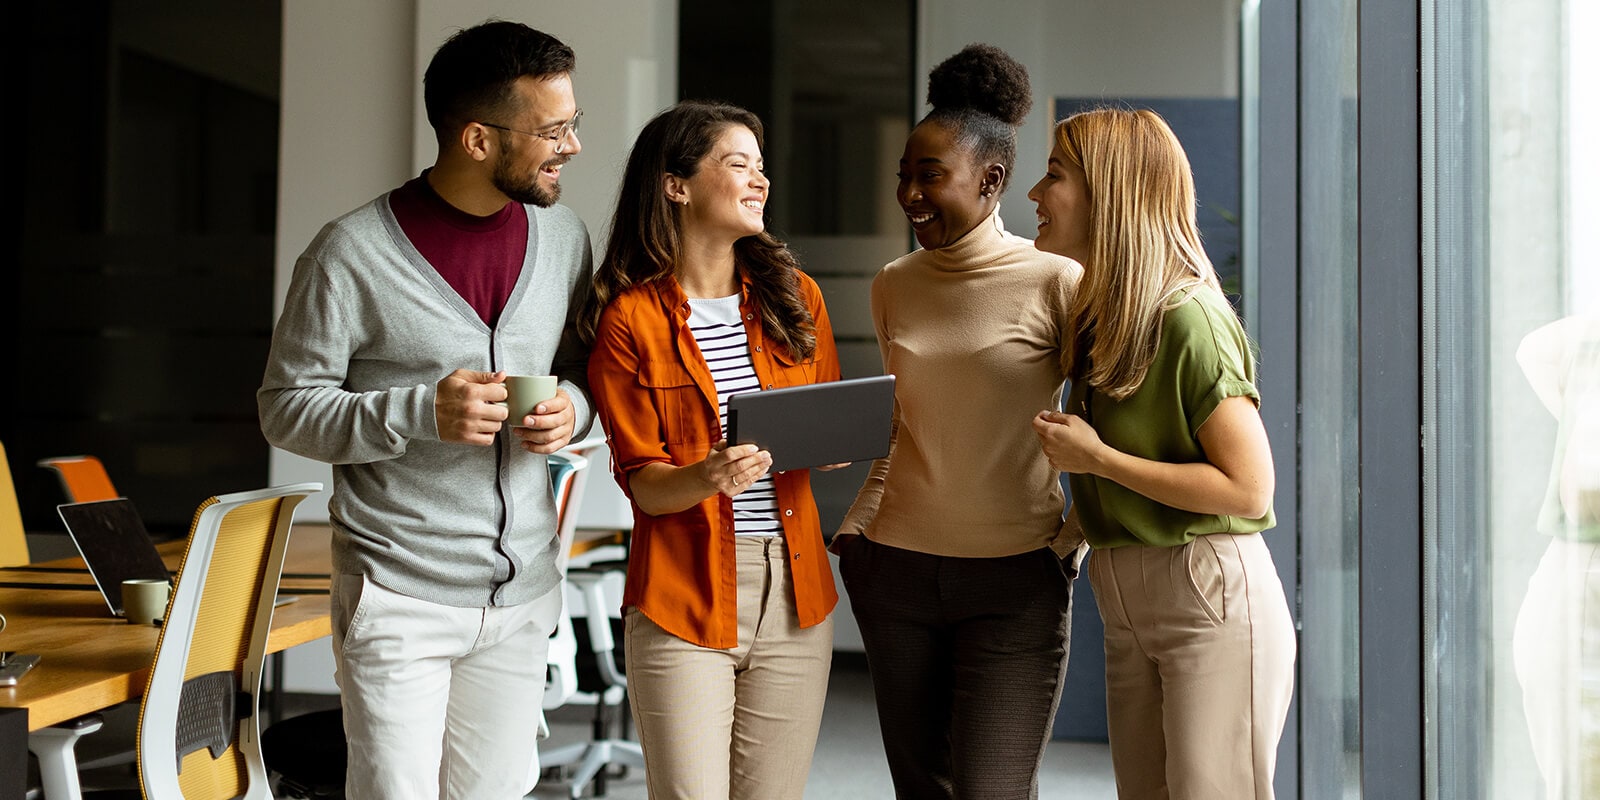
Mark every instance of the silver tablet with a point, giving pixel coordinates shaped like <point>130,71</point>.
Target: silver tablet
<point>817,424</point>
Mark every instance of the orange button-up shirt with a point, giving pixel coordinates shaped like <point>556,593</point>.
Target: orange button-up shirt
<point>656,399</point>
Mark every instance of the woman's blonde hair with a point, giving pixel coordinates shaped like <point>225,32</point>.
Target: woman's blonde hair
<point>1144,244</point>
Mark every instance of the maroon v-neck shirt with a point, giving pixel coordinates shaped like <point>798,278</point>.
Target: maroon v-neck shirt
<point>480,257</point>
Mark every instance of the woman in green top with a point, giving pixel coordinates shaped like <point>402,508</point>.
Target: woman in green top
<point>1171,474</point>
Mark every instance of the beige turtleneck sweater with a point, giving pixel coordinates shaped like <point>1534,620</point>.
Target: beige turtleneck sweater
<point>973,334</point>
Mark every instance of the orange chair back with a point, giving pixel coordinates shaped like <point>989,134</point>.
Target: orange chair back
<point>83,478</point>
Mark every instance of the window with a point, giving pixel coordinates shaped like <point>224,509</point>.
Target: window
<point>1512,370</point>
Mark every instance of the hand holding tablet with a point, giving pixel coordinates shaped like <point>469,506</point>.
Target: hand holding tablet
<point>821,424</point>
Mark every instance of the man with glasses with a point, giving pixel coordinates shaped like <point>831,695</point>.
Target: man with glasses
<point>402,320</point>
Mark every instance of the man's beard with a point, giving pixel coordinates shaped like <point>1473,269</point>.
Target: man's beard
<point>530,190</point>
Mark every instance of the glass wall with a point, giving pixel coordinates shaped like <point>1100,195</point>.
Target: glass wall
<point>1512,399</point>
<point>1329,453</point>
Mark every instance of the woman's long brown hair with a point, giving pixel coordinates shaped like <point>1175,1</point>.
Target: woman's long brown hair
<point>646,241</point>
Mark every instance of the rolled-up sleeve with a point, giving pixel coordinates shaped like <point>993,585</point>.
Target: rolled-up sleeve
<point>631,421</point>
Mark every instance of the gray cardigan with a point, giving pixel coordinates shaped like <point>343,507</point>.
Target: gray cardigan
<point>368,329</point>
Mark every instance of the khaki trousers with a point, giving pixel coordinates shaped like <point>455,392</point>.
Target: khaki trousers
<point>737,723</point>
<point>1200,653</point>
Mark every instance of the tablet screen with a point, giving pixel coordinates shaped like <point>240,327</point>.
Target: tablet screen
<point>817,424</point>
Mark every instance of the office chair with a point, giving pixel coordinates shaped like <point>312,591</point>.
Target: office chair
<point>607,687</point>
<point>53,746</point>
<point>13,537</point>
<point>568,474</point>
<point>83,478</point>
<point>307,752</point>
<point>198,731</point>
<point>608,692</point>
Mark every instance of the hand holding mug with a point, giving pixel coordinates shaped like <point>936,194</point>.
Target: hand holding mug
<point>548,427</point>
<point>464,406</point>
<point>524,393</point>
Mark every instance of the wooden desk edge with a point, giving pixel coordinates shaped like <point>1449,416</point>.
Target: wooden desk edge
<point>293,624</point>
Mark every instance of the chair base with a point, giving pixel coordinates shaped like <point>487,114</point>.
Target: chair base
<point>58,764</point>
<point>589,758</point>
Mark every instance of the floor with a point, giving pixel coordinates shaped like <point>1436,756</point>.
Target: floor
<point>849,759</point>
<point>848,763</point>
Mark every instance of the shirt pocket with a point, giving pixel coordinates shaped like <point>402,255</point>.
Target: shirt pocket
<point>680,408</point>
<point>788,371</point>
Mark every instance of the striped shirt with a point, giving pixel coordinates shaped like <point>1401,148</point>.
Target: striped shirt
<point>726,349</point>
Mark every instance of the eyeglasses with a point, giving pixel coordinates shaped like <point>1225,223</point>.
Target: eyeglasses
<point>557,134</point>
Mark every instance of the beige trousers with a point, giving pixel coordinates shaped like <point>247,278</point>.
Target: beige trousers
<point>1200,653</point>
<point>737,723</point>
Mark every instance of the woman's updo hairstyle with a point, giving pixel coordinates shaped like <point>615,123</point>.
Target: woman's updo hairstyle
<point>981,94</point>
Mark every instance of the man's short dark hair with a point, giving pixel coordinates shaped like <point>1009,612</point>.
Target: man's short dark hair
<point>471,75</point>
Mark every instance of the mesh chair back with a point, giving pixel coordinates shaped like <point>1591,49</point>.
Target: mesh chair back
<point>569,474</point>
<point>198,733</point>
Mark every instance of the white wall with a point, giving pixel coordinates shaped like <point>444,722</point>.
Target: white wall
<point>627,71</point>
<point>344,138</point>
<point>353,127</point>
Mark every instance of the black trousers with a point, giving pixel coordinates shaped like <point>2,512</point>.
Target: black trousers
<point>967,658</point>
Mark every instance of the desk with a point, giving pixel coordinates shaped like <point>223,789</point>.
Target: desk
<point>90,660</point>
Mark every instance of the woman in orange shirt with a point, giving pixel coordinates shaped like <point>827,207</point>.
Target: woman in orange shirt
<point>729,593</point>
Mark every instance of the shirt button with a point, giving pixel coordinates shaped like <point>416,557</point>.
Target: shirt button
<point>758,348</point>
<point>769,386</point>
<point>797,556</point>
<point>788,512</point>
<point>749,316</point>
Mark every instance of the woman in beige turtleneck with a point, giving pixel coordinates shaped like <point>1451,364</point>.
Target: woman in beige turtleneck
<point>952,551</point>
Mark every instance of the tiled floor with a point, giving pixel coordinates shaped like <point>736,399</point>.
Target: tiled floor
<point>849,760</point>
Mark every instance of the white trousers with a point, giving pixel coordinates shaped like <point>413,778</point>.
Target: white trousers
<point>439,701</point>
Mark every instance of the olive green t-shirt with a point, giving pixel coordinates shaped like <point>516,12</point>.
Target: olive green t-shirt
<point>1203,358</point>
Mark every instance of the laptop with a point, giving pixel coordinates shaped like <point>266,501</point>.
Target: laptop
<point>816,424</point>
<point>112,539</point>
